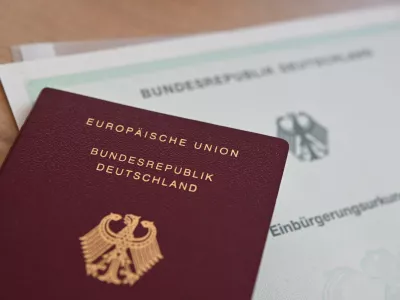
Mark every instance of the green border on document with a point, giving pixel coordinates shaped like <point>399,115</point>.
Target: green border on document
<point>64,81</point>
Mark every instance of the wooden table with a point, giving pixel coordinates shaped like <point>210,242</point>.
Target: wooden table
<point>27,21</point>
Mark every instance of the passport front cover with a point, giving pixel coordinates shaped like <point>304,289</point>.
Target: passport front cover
<point>105,201</point>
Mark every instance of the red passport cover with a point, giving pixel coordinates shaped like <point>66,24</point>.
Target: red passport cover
<point>104,201</point>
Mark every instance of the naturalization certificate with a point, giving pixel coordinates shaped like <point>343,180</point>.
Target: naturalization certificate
<point>330,87</point>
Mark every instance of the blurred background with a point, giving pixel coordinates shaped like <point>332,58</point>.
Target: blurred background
<point>31,21</point>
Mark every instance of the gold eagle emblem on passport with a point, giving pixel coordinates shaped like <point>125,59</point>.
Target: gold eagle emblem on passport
<point>120,258</point>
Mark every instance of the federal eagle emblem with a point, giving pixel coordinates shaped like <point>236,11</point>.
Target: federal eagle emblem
<point>308,140</point>
<point>120,258</point>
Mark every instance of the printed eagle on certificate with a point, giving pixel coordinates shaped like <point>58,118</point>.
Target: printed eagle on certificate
<point>120,258</point>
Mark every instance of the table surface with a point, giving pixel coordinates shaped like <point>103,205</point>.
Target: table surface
<point>32,21</point>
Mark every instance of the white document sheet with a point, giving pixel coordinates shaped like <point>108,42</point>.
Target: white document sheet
<point>35,51</point>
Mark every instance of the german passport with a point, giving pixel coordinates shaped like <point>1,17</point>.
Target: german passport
<point>104,201</point>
